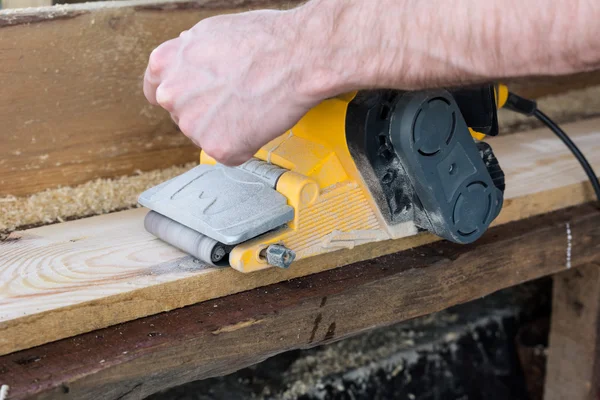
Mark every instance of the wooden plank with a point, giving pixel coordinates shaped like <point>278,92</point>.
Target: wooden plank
<point>72,108</point>
<point>536,87</point>
<point>24,3</point>
<point>220,336</point>
<point>573,369</point>
<point>66,279</point>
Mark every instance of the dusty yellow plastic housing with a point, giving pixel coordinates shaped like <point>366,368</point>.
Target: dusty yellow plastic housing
<point>333,207</point>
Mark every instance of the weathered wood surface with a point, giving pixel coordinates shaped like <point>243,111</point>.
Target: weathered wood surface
<point>135,359</point>
<point>536,87</point>
<point>573,369</point>
<point>62,280</point>
<point>24,3</point>
<point>72,107</point>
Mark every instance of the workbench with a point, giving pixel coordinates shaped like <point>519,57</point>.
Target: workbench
<point>95,307</point>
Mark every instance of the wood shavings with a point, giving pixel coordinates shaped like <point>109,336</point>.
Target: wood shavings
<point>92,198</point>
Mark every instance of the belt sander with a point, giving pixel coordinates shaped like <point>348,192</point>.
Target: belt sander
<point>358,168</point>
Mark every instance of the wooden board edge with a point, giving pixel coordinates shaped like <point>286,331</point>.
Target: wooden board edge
<point>230,281</point>
<point>204,340</point>
<point>572,370</point>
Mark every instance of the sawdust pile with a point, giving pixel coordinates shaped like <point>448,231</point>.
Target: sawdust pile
<point>92,198</point>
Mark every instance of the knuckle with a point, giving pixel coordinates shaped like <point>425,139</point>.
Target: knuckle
<point>165,97</point>
<point>161,56</point>
<point>156,61</point>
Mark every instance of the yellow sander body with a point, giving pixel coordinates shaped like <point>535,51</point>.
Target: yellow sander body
<point>357,168</point>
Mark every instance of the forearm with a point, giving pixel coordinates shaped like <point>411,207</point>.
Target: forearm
<point>234,82</point>
<point>413,44</point>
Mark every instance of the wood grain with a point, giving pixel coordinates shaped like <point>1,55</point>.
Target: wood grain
<point>536,87</point>
<point>24,3</point>
<point>61,280</point>
<point>573,369</point>
<point>72,107</point>
<point>222,335</point>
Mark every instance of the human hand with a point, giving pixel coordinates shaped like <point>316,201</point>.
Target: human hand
<point>234,82</point>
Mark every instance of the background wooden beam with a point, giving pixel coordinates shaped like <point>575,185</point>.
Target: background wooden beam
<point>536,87</point>
<point>211,338</point>
<point>573,370</point>
<point>72,108</point>
<point>24,3</point>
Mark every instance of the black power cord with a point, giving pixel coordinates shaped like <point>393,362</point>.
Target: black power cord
<point>529,107</point>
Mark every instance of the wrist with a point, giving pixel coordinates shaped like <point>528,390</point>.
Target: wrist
<point>404,44</point>
<point>319,72</point>
<point>338,47</point>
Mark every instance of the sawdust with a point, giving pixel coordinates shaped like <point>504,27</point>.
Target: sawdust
<point>92,198</point>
